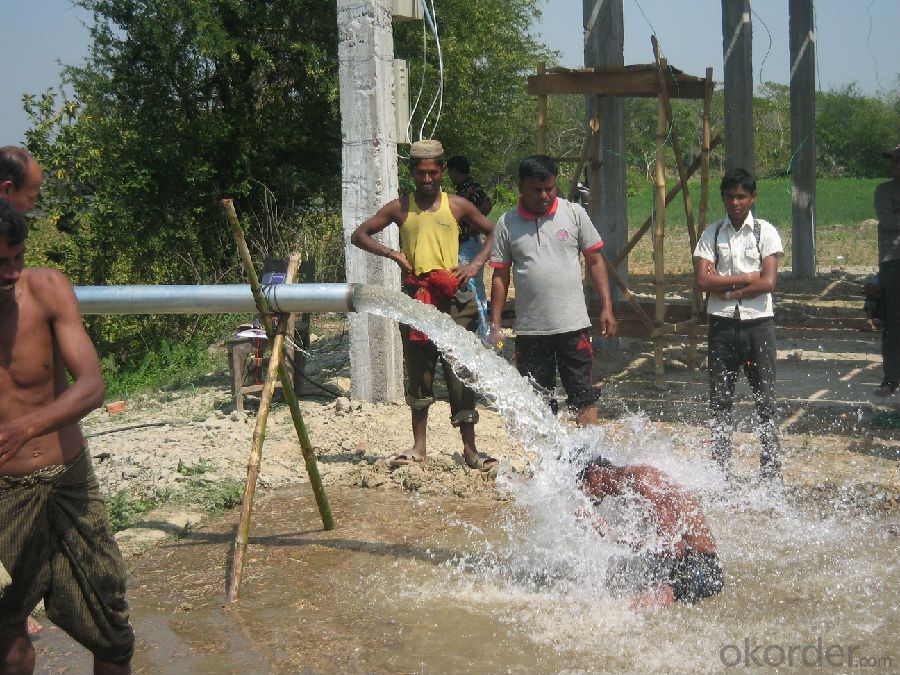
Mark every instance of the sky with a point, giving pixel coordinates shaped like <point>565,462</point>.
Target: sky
<point>856,42</point>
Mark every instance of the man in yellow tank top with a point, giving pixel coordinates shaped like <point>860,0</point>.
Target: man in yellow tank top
<point>428,259</point>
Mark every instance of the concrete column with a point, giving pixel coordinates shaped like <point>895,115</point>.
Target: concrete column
<point>369,180</point>
<point>737,49</point>
<point>803,138</point>
<point>604,45</point>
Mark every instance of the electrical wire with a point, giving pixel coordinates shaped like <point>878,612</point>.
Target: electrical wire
<point>868,45</point>
<point>421,82</point>
<point>769,50</point>
<point>431,20</point>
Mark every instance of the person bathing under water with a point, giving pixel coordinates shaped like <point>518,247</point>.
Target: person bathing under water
<point>684,565</point>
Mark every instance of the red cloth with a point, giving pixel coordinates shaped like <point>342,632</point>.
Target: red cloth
<point>429,287</point>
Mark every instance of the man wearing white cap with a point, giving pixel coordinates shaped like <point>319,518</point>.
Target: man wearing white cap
<point>429,260</point>
<point>887,207</point>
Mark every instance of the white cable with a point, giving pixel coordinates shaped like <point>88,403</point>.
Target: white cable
<point>441,71</point>
<point>421,81</point>
<point>439,94</point>
<point>297,348</point>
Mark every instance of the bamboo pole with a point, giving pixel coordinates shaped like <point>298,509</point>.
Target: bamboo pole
<point>661,66</point>
<point>595,157</point>
<point>629,296</point>
<point>670,196</point>
<point>669,328</point>
<point>287,385</point>
<point>659,278</point>
<point>705,148</point>
<point>259,436</point>
<point>542,115</point>
<point>579,167</point>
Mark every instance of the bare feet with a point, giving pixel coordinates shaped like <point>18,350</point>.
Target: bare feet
<point>33,627</point>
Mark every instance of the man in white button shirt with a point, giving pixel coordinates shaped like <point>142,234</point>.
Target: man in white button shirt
<point>736,262</point>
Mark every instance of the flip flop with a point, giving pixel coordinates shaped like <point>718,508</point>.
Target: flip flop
<point>482,462</point>
<point>405,459</point>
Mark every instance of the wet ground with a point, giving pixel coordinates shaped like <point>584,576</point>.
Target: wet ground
<point>402,586</point>
<point>430,583</point>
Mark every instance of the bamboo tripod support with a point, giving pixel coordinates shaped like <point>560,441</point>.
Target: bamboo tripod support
<point>276,365</point>
<point>259,435</point>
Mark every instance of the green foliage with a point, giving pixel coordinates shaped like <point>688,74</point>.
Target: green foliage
<point>123,509</point>
<point>179,104</point>
<point>488,50</point>
<point>202,466</point>
<point>175,365</point>
<point>212,497</point>
<point>852,130</point>
<point>772,123</point>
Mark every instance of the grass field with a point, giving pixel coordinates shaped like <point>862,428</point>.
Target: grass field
<point>842,206</point>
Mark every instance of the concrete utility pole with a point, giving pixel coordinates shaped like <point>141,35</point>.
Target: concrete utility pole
<point>604,45</point>
<point>803,138</point>
<point>369,180</point>
<point>737,49</point>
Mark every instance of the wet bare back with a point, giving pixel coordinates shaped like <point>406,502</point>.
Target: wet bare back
<point>42,337</point>
<point>678,515</point>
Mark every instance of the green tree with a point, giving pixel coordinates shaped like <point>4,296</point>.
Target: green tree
<point>772,122</point>
<point>852,131</point>
<point>181,103</point>
<point>489,48</point>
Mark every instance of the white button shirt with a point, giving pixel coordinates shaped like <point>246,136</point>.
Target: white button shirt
<point>739,254</point>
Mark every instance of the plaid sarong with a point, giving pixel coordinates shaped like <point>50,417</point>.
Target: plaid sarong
<point>56,543</point>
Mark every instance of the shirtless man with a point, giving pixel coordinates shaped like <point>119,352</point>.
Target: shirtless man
<point>20,185</point>
<point>684,565</point>
<point>54,538</point>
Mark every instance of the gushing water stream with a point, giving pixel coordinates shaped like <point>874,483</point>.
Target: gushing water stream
<point>793,574</point>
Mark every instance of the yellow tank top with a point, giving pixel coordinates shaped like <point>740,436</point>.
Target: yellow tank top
<point>430,239</point>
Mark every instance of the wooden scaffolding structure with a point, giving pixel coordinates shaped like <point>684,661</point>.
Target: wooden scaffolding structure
<point>664,83</point>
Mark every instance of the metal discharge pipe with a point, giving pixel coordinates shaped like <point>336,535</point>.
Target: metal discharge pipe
<point>214,299</point>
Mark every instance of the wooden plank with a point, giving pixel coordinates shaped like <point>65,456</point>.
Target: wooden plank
<point>637,84</point>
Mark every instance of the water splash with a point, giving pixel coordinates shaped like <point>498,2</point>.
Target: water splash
<point>548,547</point>
<point>790,576</point>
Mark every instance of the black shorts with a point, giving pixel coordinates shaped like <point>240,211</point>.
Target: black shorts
<point>695,576</point>
<point>539,357</point>
<point>692,577</point>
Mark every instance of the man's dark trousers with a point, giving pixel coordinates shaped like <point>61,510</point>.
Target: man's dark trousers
<point>889,275</point>
<point>747,345</point>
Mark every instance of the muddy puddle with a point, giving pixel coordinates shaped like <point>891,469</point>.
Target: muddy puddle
<point>409,584</point>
